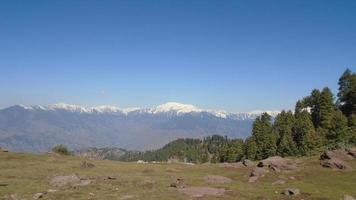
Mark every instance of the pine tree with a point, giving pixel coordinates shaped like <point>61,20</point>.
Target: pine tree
<point>326,108</point>
<point>250,148</point>
<point>304,134</point>
<point>264,137</point>
<point>282,127</point>
<point>313,102</point>
<point>340,133</point>
<point>347,93</point>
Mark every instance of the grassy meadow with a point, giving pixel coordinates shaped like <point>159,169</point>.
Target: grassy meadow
<point>27,174</point>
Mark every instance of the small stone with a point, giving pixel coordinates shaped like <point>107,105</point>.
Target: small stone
<point>38,195</point>
<point>291,191</point>
<point>348,197</point>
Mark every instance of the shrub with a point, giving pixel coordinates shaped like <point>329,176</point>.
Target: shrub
<point>61,149</point>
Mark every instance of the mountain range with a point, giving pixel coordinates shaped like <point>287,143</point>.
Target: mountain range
<point>38,128</point>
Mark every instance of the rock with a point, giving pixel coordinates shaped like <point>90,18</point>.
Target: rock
<point>111,178</point>
<point>338,154</point>
<point>38,195</point>
<point>252,179</point>
<point>127,197</point>
<point>86,164</point>
<point>217,179</point>
<point>352,152</point>
<point>277,163</point>
<point>179,183</point>
<point>12,197</point>
<point>248,163</point>
<point>256,173</point>
<point>198,192</point>
<point>231,165</point>
<point>291,191</point>
<point>335,163</point>
<point>348,197</point>
<point>51,190</point>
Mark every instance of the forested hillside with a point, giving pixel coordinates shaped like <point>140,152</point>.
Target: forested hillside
<point>320,121</point>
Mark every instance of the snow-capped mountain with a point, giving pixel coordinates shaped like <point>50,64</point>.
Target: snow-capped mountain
<point>170,108</point>
<point>38,128</point>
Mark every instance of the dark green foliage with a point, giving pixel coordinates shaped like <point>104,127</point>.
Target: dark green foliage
<point>61,149</point>
<point>210,149</point>
<point>347,93</point>
<point>250,148</point>
<point>304,134</point>
<point>283,128</point>
<point>264,137</point>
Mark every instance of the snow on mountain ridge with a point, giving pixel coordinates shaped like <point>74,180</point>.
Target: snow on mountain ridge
<point>170,107</point>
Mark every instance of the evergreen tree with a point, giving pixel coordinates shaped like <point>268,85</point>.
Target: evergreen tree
<point>282,127</point>
<point>250,148</point>
<point>264,137</point>
<point>347,93</point>
<point>326,108</point>
<point>304,134</point>
<point>339,133</point>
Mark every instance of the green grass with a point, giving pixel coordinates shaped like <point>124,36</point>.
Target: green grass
<point>27,174</point>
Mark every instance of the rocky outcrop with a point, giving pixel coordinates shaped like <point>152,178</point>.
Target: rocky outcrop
<point>336,159</point>
<point>277,163</point>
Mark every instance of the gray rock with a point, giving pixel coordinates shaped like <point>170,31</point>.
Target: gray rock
<point>248,163</point>
<point>336,163</point>
<point>277,163</point>
<point>38,195</point>
<point>291,191</point>
<point>348,197</point>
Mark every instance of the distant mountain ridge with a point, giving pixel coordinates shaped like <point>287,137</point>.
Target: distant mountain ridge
<point>170,107</point>
<point>38,128</point>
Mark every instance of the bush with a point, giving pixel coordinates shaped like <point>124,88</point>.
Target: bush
<point>61,149</point>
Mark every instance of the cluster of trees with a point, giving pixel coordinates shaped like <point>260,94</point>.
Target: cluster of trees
<point>318,122</point>
<point>210,149</point>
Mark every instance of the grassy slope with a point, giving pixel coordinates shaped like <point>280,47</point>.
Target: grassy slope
<point>28,174</point>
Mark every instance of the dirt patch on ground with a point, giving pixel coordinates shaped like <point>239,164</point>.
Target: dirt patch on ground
<point>217,179</point>
<point>203,191</point>
<point>69,180</point>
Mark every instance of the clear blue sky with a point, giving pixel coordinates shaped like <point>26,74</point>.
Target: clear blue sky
<point>232,55</point>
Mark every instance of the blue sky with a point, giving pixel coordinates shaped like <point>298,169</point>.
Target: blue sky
<point>231,55</point>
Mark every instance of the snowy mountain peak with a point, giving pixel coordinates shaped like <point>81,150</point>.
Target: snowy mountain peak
<point>179,108</point>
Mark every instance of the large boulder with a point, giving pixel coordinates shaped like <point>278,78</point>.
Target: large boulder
<point>335,163</point>
<point>256,173</point>
<point>277,163</point>
<point>338,153</point>
<point>248,163</point>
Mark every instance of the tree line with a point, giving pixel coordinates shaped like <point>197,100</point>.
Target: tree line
<point>319,121</point>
